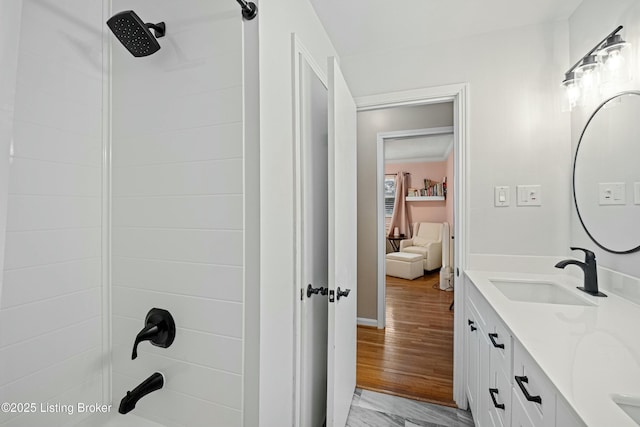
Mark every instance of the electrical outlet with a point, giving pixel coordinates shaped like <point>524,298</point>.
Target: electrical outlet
<point>612,193</point>
<point>529,195</point>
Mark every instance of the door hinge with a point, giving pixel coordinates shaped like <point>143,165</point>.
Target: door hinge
<point>301,294</point>
<point>332,296</point>
<point>457,272</point>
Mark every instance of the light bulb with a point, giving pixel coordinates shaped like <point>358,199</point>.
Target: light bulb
<point>614,60</point>
<point>587,79</point>
<point>573,94</point>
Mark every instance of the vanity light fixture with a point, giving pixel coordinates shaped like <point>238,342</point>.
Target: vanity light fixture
<point>599,69</point>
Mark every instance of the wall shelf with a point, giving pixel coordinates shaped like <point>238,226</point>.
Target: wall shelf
<point>425,198</point>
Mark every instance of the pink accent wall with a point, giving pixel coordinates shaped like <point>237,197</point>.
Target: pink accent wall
<point>436,171</point>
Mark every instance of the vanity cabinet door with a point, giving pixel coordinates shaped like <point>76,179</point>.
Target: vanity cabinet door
<point>472,356</point>
<point>499,398</point>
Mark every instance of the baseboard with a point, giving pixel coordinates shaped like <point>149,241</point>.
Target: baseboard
<point>363,321</point>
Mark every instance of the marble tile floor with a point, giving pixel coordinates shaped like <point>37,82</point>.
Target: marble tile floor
<point>372,409</point>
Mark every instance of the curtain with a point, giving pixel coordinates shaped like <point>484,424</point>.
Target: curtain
<point>400,217</point>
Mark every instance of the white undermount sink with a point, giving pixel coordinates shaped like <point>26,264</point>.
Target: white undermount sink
<point>630,406</point>
<point>540,292</point>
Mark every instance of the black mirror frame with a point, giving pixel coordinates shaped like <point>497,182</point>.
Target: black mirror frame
<point>575,159</point>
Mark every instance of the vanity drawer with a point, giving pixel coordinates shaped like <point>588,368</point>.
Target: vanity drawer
<point>535,391</point>
<point>499,399</point>
<point>519,417</point>
<point>501,345</point>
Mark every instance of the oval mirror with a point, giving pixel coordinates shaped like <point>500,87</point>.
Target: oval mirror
<point>606,174</point>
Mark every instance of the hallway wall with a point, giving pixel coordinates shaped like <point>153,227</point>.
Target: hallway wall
<point>517,133</point>
<point>278,290</point>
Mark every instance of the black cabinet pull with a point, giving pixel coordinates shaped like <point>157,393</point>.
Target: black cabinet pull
<point>493,392</point>
<point>471,323</point>
<point>520,381</point>
<point>492,337</point>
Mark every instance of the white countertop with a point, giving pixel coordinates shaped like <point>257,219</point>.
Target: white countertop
<point>589,353</point>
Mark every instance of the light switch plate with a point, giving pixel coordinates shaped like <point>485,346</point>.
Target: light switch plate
<point>529,195</point>
<point>636,193</point>
<point>502,196</point>
<point>612,193</point>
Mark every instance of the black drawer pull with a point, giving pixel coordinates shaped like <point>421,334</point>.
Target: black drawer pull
<point>493,341</point>
<point>493,392</point>
<point>471,323</point>
<point>520,381</point>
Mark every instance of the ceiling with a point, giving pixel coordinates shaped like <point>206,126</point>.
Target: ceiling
<point>362,26</point>
<point>431,148</point>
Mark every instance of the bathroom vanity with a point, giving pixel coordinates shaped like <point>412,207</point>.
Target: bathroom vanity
<point>540,353</point>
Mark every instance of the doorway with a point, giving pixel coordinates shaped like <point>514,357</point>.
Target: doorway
<point>372,318</point>
<point>325,238</point>
<point>412,356</point>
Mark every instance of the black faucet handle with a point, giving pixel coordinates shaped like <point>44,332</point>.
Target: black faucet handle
<point>159,329</point>
<point>589,256</point>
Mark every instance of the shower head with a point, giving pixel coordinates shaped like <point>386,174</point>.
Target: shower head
<point>135,34</point>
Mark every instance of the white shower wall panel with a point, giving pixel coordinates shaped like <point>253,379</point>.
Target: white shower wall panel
<point>50,304</point>
<point>196,212</point>
<point>162,276</point>
<point>177,211</point>
<point>196,144</point>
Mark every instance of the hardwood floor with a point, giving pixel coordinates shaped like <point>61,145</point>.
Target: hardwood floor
<point>413,356</point>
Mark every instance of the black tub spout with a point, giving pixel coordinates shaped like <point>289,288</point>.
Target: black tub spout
<point>151,384</point>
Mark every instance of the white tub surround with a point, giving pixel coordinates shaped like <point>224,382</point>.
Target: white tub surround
<point>589,353</point>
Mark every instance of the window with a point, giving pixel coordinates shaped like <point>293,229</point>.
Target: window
<point>389,196</point>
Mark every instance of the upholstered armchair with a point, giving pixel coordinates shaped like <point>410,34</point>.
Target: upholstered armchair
<point>426,241</point>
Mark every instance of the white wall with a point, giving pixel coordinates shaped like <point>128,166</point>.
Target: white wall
<point>591,22</point>
<point>369,124</point>
<point>517,134</point>
<point>50,312</point>
<point>178,197</point>
<point>278,19</point>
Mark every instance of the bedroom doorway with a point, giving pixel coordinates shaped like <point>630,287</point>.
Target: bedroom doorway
<point>408,349</point>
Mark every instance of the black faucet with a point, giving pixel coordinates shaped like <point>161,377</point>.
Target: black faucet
<point>589,269</point>
<point>153,383</point>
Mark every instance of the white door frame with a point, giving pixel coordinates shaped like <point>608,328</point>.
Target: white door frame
<point>300,56</point>
<point>382,266</point>
<point>459,95</point>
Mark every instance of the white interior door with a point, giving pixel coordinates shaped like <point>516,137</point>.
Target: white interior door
<point>341,360</point>
<point>314,156</point>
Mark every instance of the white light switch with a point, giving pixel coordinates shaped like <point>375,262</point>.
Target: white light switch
<point>529,195</point>
<point>636,193</point>
<point>501,196</point>
<point>612,193</point>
